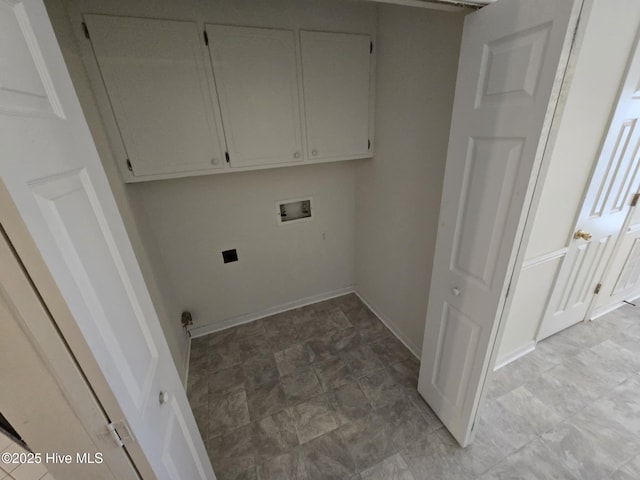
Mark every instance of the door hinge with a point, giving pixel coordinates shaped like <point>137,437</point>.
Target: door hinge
<point>129,166</point>
<point>370,47</point>
<point>120,433</point>
<point>85,29</point>
<point>634,200</point>
<point>597,290</point>
<point>226,156</point>
<point>206,37</point>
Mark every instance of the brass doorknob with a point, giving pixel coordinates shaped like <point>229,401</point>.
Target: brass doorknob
<point>583,235</point>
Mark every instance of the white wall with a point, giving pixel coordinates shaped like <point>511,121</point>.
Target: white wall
<point>164,299</point>
<point>194,219</point>
<point>186,223</point>
<point>609,36</point>
<point>398,192</point>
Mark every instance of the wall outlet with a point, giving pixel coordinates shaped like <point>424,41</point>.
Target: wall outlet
<point>229,256</point>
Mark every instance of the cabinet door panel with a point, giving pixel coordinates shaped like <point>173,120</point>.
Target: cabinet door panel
<point>155,76</point>
<point>256,75</point>
<point>336,70</point>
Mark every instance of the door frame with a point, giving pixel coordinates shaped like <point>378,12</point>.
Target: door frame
<point>63,322</point>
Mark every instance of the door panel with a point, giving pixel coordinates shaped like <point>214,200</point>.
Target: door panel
<point>155,77</point>
<point>55,178</point>
<point>257,78</point>
<point>513,56</point>
<point>604,214</point>
<point>337,94</point>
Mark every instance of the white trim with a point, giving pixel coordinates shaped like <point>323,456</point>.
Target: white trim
<point>445,5</point>
<point>413,348</point>
<point>521,351</point>
<point>547,257</point>
<point>250,317</point>
<point>599,312</point>
<point>185,375</point>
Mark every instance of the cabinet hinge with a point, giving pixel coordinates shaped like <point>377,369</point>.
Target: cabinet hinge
<point>85,29</point>
<point>206,37</point>
<point>597,290</point>
<point>129,166</point>
<point>370,47</point>
<point>226,156</point>
<point>120,433</point>
<point>369,144</point>
<point>634,200</point>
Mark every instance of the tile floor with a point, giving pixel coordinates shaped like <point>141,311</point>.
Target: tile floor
<point>327,392</point>
<point>9,471</point>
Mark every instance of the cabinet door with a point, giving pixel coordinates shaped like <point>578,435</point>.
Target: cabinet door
<point>337,92</point>
<point>256,75</point>
<point>155,76</point>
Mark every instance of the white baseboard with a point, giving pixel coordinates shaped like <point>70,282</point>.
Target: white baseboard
<point>390,325</point>
<point>514,355</point>
<point>250,317</point>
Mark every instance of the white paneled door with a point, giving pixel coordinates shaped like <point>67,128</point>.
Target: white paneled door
<point>606,210</point>
<point>513,56</point>
<point>52,171</point>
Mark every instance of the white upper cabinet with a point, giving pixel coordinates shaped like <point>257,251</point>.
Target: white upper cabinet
<point>256,76</point>
<point>337,94</point>
<point>157,81</point>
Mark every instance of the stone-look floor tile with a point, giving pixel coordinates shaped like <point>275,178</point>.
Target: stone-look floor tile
<point>381,388</point>
<point>250,329</point>
<point>622,405</point>
<point>592,446</point>
<point>301,386</point>
<point>390,350</point>
<point>260,371</point>
<point>406,373</point>
<point>265,400</point>
<point>367,440</point>
<point>198,391</point>
<point>361,317</point>
<point>255,348</point>
<point>565,390</point>
<point>345,340</point>
<point>201,415</point>
<point>327,458</point>
<point>525,369</point>
<point>288,466</point>
<point>332,373</point>
<point>533,462</point>
<point>337,319</point>
<point>424,409</point>
<point>345,302</point>
<point>226,379</point>
<point>314,418</point>
<point>222,356</point>
<point>403,423</point>
<point>440,456</point>
<point>227,410</point>
<point>517,418</point>
<point>583,335</point>
<point>362,361</point>
<point>232,453</point>
<point>392,468</point>
<point>274,435</point>
<point>349,403</point>
<point>629,471</point>
<point>293,359</point>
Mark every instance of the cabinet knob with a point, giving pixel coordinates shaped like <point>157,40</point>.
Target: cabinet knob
<point>296,155</point>
<point>163,397</point>
<point>215,161</point>
<point>314,152</point>
<point>455,291</point>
